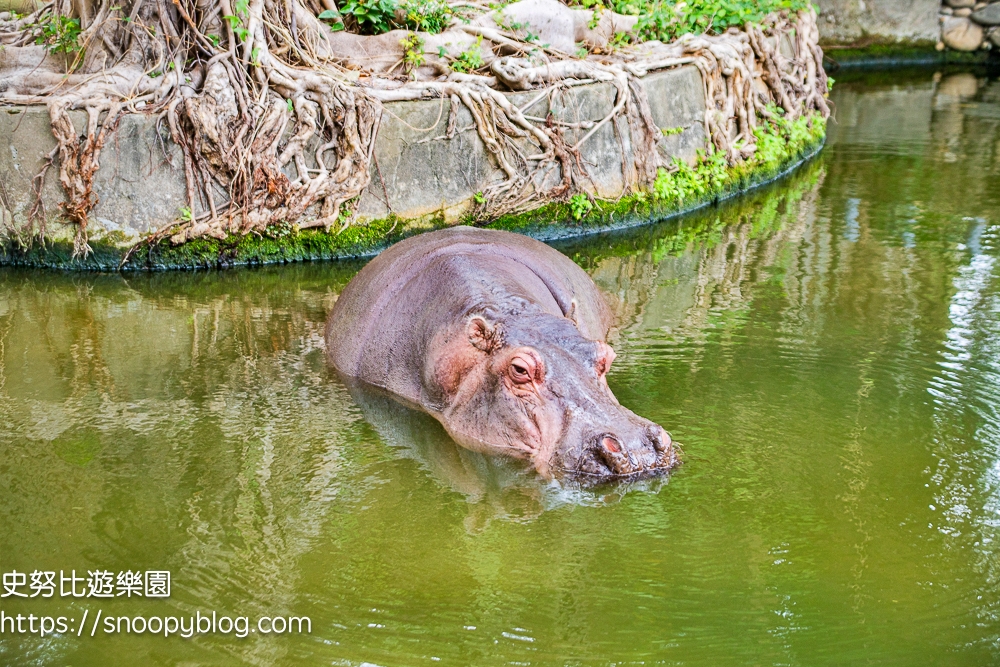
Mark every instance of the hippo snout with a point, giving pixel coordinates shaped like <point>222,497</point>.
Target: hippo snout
<point>611,455</point>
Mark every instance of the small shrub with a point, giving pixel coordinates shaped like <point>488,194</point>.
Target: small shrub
<point>333,18</point>
<point>469,60</point>
<point>579,206</point>
<point>59,34</point>
<point>431,16</point>
<point>413,51</point>
<point>373,16</point>
<point>666,21</point>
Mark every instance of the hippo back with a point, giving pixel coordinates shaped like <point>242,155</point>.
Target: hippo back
<point>380,295</point>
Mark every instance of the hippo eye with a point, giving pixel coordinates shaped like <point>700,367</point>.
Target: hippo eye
<point>521,370</point>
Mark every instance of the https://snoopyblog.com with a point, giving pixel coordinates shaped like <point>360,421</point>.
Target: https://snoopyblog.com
<point>96,585</point>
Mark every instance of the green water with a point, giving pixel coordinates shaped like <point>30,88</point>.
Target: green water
<point>827,350</point>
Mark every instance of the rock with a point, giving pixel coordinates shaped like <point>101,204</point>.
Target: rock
<point>961,34</point>
<point>981,5</point>
<point>994,36</point>
<point>989,15</point>
<point>559,27</point>
<point>550,20</point>
<point>963,12</point>
<point>946,11</point>
<point>958,4</point>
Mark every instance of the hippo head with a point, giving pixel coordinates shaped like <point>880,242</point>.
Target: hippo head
<point>532,386</point>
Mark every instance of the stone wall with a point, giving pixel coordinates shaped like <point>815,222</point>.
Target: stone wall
<point>417,173</point>
<point>860,21</point>
<point>960,25</point>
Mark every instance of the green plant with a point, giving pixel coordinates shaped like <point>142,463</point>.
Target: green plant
<point>373,16</point>
<point>333,19</point>
<point>479,198</point>
<point>619,40</point>
<point>580,205</point>
<point>630,7</point>
<point>186,215</point>
<point>431,16</point>
<point>671,131</point>
<point>413,51</point>
<point>595,16</point>
<point>469,60</point>
<point>59,34</point>
<point>666,21</point>
<point>236,21</point>
<point>684,182</point>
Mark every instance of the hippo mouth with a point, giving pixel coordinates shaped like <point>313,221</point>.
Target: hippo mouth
<point>607,460</point>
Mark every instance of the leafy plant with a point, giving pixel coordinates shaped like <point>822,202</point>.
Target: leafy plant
<point>236,25</point>
<point>373,16</point>
<point>413,51</point>
<point>479,198</point>
<point>334,19</point>
<point>619,40</point>
<point>777,140</point>
<point>684,182</point>
<point>59,34</point>
<point>666,21</point>
<point>671,131</point>
<point>469,60</point>
<point>595,16</point>
<point>431,16</point>
<point>580,205</point>
<point>186,215</point>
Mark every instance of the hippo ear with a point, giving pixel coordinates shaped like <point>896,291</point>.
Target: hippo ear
<point>484,335</point>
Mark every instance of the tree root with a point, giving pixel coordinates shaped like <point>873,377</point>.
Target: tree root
<point>268,92</point>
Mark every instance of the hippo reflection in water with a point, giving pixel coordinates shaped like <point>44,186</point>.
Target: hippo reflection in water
<point>502,340</point>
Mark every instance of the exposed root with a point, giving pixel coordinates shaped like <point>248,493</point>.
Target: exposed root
<point>276,127</point>
<point>79,160</point>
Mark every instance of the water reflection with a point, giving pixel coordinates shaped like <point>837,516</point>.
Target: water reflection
<point>825,349</point>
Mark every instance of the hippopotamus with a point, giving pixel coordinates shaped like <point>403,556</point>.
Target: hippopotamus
<point>502,339</point>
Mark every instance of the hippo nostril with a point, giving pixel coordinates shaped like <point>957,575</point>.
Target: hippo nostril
<point>611,444</point>
<point>660,438</point>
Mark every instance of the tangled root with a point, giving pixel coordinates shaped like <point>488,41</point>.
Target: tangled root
<point>257,90</point>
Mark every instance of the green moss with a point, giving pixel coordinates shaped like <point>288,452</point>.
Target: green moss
<point>871,52</point>
<point>781,146</point>
<point>763,209</point>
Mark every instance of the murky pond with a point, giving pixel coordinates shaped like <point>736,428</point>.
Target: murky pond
<point>827,350</point>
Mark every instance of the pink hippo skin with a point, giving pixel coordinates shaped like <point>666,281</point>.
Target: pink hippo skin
<point>502,340</point>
